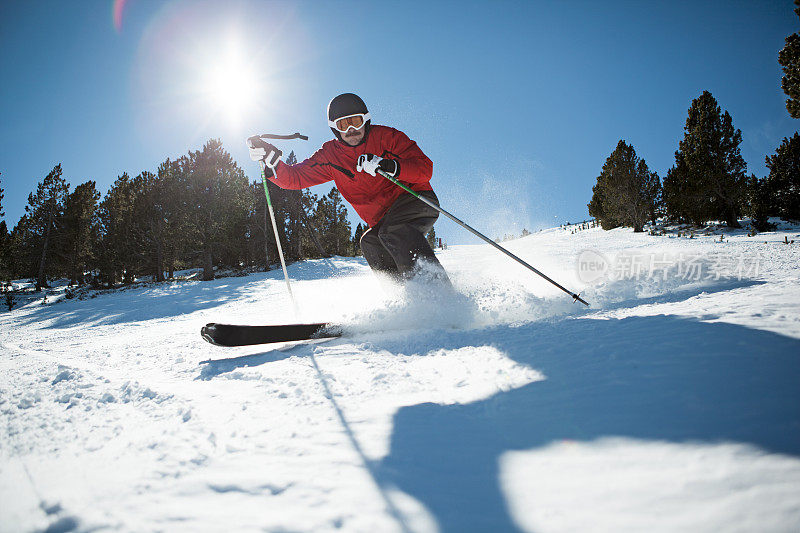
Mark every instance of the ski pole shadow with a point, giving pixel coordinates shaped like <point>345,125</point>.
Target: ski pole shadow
<point>660,378</point>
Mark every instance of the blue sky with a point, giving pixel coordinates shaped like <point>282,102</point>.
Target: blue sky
<point>517,103</point>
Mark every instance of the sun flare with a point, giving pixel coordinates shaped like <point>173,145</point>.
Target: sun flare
<point>231,85</point>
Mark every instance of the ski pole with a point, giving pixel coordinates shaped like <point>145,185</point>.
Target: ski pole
<point>275,230</point>
<point>253,141</point>
<point>576,297</point>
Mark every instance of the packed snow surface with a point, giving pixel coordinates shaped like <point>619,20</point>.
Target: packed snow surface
<point>671,404</point>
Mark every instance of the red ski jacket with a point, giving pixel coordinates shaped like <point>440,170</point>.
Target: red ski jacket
<point>369,195</point>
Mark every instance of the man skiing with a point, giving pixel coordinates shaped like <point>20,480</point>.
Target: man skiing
<point>395,243</point>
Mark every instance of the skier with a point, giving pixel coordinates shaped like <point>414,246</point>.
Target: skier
<point>395,243</point>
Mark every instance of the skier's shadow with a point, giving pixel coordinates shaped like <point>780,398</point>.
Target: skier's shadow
<point>659,378</point>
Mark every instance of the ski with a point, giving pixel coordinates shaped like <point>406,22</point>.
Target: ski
<point>239,335</point>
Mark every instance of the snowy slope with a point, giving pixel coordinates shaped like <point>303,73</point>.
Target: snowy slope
<point>672,404</point>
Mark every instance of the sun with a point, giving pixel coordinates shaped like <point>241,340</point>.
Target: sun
<point>231,85</point>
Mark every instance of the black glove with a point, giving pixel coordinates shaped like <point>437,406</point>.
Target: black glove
<point>390,166</point>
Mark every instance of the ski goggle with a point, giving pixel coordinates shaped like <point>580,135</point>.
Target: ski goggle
<point>343,124</point>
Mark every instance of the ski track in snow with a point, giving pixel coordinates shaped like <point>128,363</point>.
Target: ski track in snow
<point>671,404</point>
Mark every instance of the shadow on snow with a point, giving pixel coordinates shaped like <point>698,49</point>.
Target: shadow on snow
<point>659,378</point>
<point>214,367</point>
<point>164,300</point>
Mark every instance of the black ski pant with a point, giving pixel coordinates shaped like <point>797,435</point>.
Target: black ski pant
<point>397,242</point>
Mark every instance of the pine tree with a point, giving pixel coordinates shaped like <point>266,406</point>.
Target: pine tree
<point>331,218</point>
<point>784,178</point>
<point>789,58</point>
<point>280,207</point>
<point>760,203</point>
<point>43,210</point>
<point>218,191</point>
<point>284,213</point>
<point>678,200</point>
<point>626,190</point>
<point>311,245</point>
<point>294,206</point>
<point>431,236</point>
<point>360,229</point>
<point>708,180</point>
<point>22,249</point>
<point>5,245</point>
<point>6,240</point>
<point>597,206</point>
<point>656,196</point>
<point>258,229</point>
<point>5,252</point>
<point>167,225</point>
<point>116,251</point>
<point>77,230</point>
<point>157,218</point>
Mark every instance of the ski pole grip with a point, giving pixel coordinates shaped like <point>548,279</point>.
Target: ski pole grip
<point>283,137</point>
<point>255,141</point>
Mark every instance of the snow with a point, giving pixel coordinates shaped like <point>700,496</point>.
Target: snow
<point>671,404</point>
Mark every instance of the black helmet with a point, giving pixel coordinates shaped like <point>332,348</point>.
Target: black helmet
<point>345,105</point>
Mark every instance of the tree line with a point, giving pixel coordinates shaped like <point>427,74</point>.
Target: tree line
<point>708,180</point>
<point>199,209</point>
